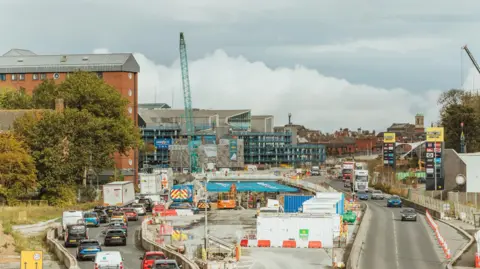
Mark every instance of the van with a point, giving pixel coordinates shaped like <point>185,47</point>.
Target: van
<point>70,218</point>
<point>108,260</point>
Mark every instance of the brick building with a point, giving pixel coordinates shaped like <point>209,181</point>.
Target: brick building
<point>23,68</point>
<point>366,145</point>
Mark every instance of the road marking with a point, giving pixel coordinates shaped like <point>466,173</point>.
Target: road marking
<point>395,241</point>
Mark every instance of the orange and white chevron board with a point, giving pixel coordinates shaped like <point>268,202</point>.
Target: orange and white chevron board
<point>180,194</point>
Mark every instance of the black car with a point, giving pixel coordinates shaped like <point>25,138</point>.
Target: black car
<point>87,249</point>
<point>409,214</point>
<point>98,207</point>
<point>102,215</point>
<point>75,234</point>
<point>147,202</point>
<point>115,237</point>
<point>111,209</point>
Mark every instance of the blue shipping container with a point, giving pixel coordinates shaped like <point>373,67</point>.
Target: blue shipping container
<point>341,205</point>
<point>292,203</point>
<point>182,193</point>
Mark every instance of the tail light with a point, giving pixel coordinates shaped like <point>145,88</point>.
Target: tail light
<point>121,265</point>
<point>96,265</point>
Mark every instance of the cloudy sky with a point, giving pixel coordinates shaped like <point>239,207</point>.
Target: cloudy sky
<point>332,64</point>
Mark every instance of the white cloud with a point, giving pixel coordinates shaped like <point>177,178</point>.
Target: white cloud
<point>219,81</point>
<point>396,45</point>
<point>472,80</point>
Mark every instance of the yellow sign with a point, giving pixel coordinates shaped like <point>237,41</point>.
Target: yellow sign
<point>31,260</point>
<point>435,134</point>
<point>389,138</point>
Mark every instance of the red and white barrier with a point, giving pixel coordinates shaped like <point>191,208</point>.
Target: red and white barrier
<point>441,241</point>
<point>283,244</point>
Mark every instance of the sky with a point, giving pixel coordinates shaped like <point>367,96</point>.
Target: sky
<point>332,64</point>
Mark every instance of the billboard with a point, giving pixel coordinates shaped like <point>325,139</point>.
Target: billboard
<point>389,157</point>
<point>389,138</point>
<point>434,134</point>
<point>163,143</point>
<point>233,149</point>
<point>434,177</point>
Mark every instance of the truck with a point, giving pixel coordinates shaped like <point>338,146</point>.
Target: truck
<point>315,171</point>
<point>150,183</point>
<point>360,181</point>
<point>118,193</point>
<point>348,169</point>
<point>182,193</point>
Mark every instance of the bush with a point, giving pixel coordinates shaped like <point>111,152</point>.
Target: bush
<point>88,194</point>
<point>61,196</point>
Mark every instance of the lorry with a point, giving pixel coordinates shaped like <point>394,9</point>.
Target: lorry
<point>150,183</point>
<point>360,181</point>
<point>182,193</point>
<point>348,169</point>
<point>315,171</point>
<point>118,193</point>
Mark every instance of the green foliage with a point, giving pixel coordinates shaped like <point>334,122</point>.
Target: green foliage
<point>88,194</point>
<point>15,99</point>
<point>17,168</point>
<point>61,195</point>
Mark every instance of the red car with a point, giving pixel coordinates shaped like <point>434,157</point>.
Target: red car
<point>130,213</point>
<point>150,257</point>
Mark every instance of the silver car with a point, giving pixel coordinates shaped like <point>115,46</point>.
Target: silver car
<point>377,195</point>
<point>140,209</point>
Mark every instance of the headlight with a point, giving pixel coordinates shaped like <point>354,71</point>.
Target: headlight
<point>403,215</point>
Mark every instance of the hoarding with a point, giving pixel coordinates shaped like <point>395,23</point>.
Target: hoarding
<point>434,134</point>
<point>163,143</point>
<point>389,138</point>
<point>233,149</point>
<point>389,158</point>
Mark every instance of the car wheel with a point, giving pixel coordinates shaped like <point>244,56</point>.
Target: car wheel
<point>415,219</point>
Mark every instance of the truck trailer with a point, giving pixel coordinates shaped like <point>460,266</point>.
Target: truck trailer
<point>118,193</point>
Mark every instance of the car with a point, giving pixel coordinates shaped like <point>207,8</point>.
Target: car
<point>75,233</point>
<point>91,218</point>
<point>108,259</point>
<point>88,249</point>
<point>394,201</point>
<point>98,207</point>
<point>409,214</point>
<point>102,215</point>
<point>149,258</point>
<point>116,226</point>
<point>377,195</point>
<point>346,183</point>
<point>147,202</point>
<point>362,195</point>
<point>119,221</point>
<point>115,237</point>
<point>158,208</point>
<point>130,213</point>
<point>111,209</point>
<point>165,264</point>
<point>140,209</point>
<point>119,215</point>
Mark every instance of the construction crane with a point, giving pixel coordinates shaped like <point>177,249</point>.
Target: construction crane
<point>470,55</point>
<point>187,98</point>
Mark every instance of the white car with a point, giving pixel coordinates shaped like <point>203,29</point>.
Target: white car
<point>377,195</point>
<point>140,209</point>
<point>108,259</point>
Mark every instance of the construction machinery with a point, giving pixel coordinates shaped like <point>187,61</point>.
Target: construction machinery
<point>470,55</point>
<point>187,98</point>
<point>228,200</point>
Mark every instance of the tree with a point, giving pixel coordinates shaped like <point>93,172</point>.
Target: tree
<point>17,168</point>
<point>451,119</point>
<point>15,99</point>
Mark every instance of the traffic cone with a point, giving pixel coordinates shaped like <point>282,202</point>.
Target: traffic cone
<point>448,255</point>
<point>477,260</point>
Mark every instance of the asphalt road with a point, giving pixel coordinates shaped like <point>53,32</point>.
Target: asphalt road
<point>391,243</point>
<point>130,252</point>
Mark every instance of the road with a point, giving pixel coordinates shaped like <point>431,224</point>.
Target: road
<point>391,243</point>
<point>130,252</point>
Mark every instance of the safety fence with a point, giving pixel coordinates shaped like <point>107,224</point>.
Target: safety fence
<point>308,185</point>
<point>441,241</point>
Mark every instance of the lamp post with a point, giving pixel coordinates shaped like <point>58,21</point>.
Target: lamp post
<point>206,219</point>
<point>462,140</point>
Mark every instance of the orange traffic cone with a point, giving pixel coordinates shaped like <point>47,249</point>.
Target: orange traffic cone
<point>448,255</point>
<point>477,260</point>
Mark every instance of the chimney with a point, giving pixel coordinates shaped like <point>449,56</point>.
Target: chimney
<point>59,105</point>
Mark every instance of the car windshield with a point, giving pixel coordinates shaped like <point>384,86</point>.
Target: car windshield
<point>377,192</point>
<point>129,210</point>
<point>100,212</point>
<point>347,171</point>
<point>115,233</point>
<point>117,214</point>
<point>89,244</point>
<point>138,206</point>
<point>361,178</point>
<point>395,198</point>
<point>166,266</point>
<point>90,215</point>
<point>361,193</point>
<point>117,224</point>
<point>77,229</point>
<point>155,257</point>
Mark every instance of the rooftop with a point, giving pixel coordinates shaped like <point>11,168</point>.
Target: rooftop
<point>25,61</point>
<point>151,116</point>
<point>153,106</point>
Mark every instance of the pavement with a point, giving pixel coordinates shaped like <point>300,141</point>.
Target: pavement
<point>467,259</point>
<point>391,243</point>
<point>130,253</point>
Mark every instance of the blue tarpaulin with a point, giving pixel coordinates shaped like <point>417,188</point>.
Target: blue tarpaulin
<point>253,186</point>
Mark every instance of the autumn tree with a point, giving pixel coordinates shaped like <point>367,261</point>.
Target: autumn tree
<point>17,168</point>
<point>15,99</point>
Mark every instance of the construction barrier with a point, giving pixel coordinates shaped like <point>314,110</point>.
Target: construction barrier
<point>477,260</point>
<point>441,241</point>
<point>169,212</point>
<point>285,244</point>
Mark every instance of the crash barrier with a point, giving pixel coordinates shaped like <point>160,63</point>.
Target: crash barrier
<point>58,249</point>
<point>308,185</point>
<point>229,248</point>
<point>358,244</point>
<point>280,244</point>
<point>441,241</point>
<point>150,245</point>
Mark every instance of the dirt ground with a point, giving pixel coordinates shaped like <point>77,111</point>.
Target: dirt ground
<point>7,247</point>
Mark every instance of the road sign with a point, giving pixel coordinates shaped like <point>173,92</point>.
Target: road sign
<point>31,260</point>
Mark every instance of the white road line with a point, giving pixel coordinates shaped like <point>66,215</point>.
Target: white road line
<point>395,241</point>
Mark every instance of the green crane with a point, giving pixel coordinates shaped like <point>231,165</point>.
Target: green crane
<point>187,99</point>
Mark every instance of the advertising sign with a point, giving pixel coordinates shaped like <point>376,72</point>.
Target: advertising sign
<point>434,134</point>
<point>233,149</point>
<point>163,143</point>
<point>389,138</point>
<point>303,234</point>
<point>434,162</point>
<point>31,259</point>
<point>210,139</point>
<point>389,158</point>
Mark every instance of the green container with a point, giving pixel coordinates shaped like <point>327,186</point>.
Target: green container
<point>349,216</point>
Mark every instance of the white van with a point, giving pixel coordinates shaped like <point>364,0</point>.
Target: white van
<point>108,260</point>
<point>71,217</point>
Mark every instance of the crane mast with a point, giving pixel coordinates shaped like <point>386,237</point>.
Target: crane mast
<point>187,98</point>
<point>470,55</point>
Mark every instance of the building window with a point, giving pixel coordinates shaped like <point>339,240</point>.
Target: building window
<point>21,76</point>
<point>35,76</point>
<point>100,75</point>
<point>3,77</point>
<point>130,92</point>
<point>14,76</point>
<point>43,76</point>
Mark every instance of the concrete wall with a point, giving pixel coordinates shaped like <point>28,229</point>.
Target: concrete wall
<point>453,165</point>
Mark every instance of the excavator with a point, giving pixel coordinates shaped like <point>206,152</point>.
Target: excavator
<point>228,200</point>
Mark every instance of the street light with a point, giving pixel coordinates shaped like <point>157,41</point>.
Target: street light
<point>206,218</point>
